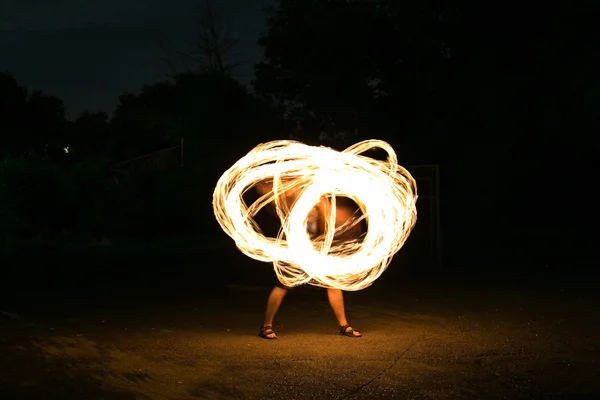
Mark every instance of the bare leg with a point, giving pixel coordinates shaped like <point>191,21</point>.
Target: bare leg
<point>336,300</point>
<point>273,303</point>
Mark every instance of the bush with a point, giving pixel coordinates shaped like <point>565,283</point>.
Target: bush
<point>44,202</point>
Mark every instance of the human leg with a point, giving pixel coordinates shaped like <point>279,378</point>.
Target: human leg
<point>273,302</point>
<point>336,300</point>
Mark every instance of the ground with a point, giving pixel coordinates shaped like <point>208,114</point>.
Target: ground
<point>182,336</point>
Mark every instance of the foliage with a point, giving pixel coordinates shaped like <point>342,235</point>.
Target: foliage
<point>54,180</point>
<point>30,123</point>
<point>426,76</point>
<point>332,71</point>
<point>41,200</point>
<point>206,109</point>
<point>90,136</point>
<point>340,65</point>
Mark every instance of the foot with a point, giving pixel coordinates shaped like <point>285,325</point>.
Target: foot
<point>347,330</point>
<point>267,332</point>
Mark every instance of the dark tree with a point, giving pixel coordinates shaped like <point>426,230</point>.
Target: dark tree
<point>13,106</point>
<point>212,51</point>
<point>209,110</point>
<point>141,122</point>
<point>214,44</point>
<point>90,137</point>
<point>340,65</point>
<point>32,124</point>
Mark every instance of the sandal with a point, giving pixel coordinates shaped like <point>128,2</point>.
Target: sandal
<point>265,331</point>
<point>347,330</point>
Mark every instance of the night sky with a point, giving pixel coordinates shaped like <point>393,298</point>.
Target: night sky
<point>89,52</point>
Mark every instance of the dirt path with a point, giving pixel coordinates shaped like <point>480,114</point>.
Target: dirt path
<point>418,344</point>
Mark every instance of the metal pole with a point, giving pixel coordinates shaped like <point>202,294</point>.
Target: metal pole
<point>438,220</point>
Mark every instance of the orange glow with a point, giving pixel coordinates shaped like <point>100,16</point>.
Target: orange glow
<point>298,177</point>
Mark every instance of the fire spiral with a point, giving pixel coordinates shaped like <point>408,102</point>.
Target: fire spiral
<point>385,193</point>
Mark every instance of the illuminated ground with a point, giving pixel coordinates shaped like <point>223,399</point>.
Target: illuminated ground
<point>421,341</point>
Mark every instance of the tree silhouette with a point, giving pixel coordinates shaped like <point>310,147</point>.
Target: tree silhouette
<point>141,121</point>
<point>351,65</point>
<point>13,107</point>
<point>90,137</point>
<point>52,172</point>
<point>33,124</point>
<point>214,43</point>
<point>209,110</point>
<point>210,52</point>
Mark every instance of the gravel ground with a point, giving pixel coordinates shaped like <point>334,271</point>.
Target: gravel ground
<point>421,340</point>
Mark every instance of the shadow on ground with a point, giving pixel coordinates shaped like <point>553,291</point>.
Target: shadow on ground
<point>181,337</point>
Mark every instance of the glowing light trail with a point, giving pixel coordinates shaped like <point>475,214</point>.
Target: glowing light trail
<point>385,193</point>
